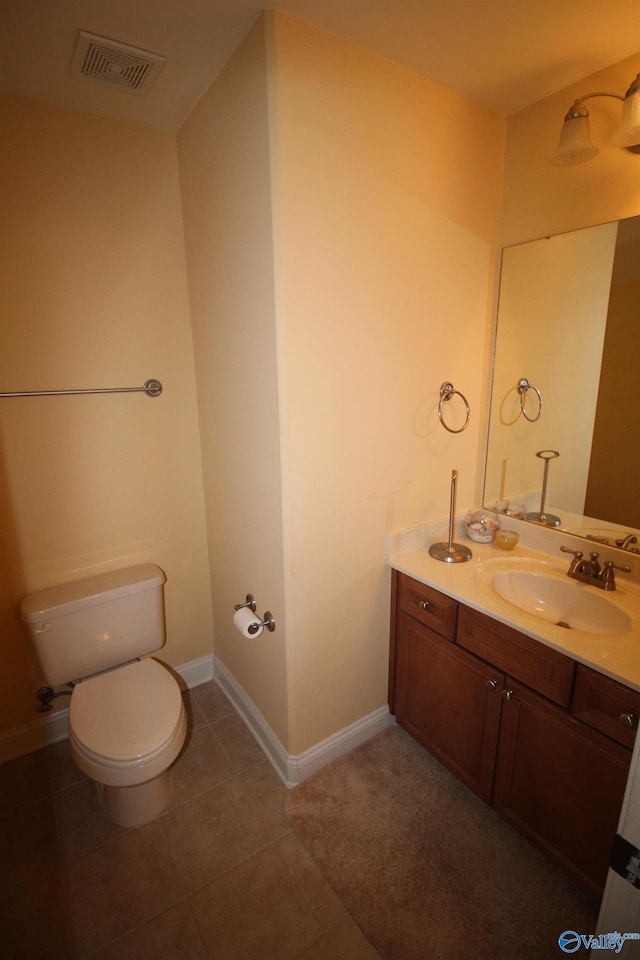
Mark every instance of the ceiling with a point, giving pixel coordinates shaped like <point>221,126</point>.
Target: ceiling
<point>505,54</point>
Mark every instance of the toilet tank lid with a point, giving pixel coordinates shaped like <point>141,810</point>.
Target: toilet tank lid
<point>69,597</point>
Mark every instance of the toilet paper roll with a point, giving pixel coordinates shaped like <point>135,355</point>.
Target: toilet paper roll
<point>246,622</point>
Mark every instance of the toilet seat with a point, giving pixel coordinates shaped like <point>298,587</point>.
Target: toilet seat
<point>127,725</point>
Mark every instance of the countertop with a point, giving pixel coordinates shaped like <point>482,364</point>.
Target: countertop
<point>615,655</point>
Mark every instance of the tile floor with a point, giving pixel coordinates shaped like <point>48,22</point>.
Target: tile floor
<point>219,876</point>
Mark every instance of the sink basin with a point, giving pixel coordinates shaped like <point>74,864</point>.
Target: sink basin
<point>541,590</point>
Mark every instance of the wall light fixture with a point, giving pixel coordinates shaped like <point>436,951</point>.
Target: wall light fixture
<point>575,140</point>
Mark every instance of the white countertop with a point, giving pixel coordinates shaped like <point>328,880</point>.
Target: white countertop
<point>616,655</point>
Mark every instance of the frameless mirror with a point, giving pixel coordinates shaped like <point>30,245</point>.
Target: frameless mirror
<point>562,446</point>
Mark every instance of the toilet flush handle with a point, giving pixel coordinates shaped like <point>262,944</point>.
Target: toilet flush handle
<point>43,627</point>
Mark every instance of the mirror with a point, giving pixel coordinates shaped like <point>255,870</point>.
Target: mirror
<point>565,403</point>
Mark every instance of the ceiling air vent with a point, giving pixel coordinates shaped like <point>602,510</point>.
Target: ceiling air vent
<point>117,64</point>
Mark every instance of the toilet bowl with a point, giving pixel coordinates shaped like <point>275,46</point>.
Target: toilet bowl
<point>126,727</point>
<point>127,722</point>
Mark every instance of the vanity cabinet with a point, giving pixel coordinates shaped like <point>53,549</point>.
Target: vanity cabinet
<point>560,783</point>
<point>449,701</point>
<point>546,741</point>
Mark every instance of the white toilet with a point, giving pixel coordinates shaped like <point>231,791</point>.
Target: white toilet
<point>127,721</point>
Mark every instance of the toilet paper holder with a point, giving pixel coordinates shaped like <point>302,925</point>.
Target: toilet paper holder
<point>249,602</point>
<point>267,620</point>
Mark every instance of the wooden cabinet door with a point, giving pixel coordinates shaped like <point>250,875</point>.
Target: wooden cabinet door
<point>449,700</point>
<point>560,783</point>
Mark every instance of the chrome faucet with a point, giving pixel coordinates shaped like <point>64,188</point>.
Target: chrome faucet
<point>625,543</point>
<point>589,570</point>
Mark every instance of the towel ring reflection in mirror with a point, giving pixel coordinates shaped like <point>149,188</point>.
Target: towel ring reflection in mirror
<point>447,392</point>
<point>523,388</point>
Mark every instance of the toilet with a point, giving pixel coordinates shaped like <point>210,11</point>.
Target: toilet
<point>127,722</point>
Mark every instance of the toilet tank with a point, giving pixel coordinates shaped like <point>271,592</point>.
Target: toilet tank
<point>80,628</point>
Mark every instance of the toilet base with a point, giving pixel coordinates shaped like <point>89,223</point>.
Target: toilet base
<point>134,806</point>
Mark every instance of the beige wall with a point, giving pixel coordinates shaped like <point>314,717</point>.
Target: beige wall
<point>344,179</point>
<point>341,222</point>
<point>226,190</point>
<point>94,295</point>
<point>389,199</point>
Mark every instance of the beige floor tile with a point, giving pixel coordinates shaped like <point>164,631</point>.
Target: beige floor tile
<point>202,765</point>
<point>269,791</point>
<point>33,921</point>
<point>82,823</point>
<point>239,744</point>
<point>325,903</point>
<point>120,885</point>
<point>28,847</point>
<point>344,942</point>
<point>195,714</point>
<point>22,781</point>
<point>212,701</point>
<point>255,912</point>
<point>225,843</point>
<point>64,772</point>
<point>171,936</point>
<point>213,833</point>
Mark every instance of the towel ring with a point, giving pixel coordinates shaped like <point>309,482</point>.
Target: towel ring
<point>447,391</point>
<point>523,387</point>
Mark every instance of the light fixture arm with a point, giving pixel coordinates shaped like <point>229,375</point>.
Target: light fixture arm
<point>577,110</point>
<point>600,93</point>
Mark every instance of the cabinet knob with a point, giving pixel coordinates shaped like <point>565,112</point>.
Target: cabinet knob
<point>507,694</point>
<point>627,720</point>
<point>424,604</point>
<point>492,684</point>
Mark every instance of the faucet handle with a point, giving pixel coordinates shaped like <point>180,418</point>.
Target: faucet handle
<point>574,566</point>
<point>578,554</point>
<point>608,576</point>
<point>609,565</point>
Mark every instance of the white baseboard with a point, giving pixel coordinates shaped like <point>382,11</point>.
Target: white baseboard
<point>293,769</point>
<point>44,729</point>
<point>47,728</point>
<point>196,671</point>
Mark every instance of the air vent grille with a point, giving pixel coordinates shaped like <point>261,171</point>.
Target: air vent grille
<point>116,64</point>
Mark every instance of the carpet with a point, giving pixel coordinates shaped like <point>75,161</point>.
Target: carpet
<point>426,869</point>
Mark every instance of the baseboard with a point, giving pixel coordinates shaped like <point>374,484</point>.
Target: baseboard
<point>339,743</point>
<point>47,728</point>
<point>293,769</point>
<point>43,730</point>
<point>196,671</point>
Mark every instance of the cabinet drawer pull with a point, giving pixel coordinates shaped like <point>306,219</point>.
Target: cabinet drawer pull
<point>507,694</point>
<point>492,684</point>
<point>627,720</point>
<point>424,604</point>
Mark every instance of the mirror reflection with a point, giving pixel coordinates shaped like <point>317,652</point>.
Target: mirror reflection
<point>565,404</point>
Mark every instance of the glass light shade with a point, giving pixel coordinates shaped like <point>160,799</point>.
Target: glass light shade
<point>575,143</point>
<point>628,133</point>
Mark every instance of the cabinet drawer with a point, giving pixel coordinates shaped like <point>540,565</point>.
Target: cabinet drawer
<point>533,663</point>
<point>606,705</point>
<point>428,606</point>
